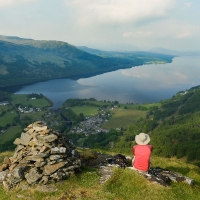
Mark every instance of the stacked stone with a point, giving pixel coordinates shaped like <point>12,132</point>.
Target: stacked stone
<point>41,156</point>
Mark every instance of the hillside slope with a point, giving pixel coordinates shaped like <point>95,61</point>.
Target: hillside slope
<point>27,60</point>
<point>174,128</point>
<point>123,185</point>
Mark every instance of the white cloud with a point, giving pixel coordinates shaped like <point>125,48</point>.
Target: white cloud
<point>137,34</point>
<point>7,3</point>
<point>119,11</point>
<point>188,4</point>
<point>183,35</point>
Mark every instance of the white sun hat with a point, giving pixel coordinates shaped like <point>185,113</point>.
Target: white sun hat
<point>142,139</point>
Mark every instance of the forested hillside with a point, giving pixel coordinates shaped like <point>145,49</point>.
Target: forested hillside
<point>174,128</point>
<point>26,60</point>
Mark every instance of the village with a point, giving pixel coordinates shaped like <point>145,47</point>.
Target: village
<point>92,125</point>
<point>28,109</point>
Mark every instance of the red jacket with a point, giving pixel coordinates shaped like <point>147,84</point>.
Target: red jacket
<point>142,155</point>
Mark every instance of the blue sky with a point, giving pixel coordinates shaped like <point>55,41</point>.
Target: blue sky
<point>106,24</point>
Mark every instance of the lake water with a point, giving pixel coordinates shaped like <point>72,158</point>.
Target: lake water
<point>142,84</point>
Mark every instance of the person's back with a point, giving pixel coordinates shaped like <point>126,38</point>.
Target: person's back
<point>142,157</point>
<point>142,152</point>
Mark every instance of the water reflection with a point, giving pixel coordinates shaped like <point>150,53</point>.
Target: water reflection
<point>143,84</point>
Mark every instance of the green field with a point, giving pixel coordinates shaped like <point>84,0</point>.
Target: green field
<point>99,103</point>
<point>23,100</point>
<point>7,118</point>
<point>86,110</point>
<point>34,115</point>
<point>10,134</point>
<point>136,106</point>
<point>123,118</point>
<point>4,108</point>
<point>120,117</point>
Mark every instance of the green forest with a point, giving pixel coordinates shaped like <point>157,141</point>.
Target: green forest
<point>173,124</point>
<point>25,61</point>
<point>174,128</point>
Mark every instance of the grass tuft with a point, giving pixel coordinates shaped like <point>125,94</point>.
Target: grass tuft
<point>123,185</point>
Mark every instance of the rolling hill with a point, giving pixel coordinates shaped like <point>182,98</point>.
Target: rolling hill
<point>26,60</point>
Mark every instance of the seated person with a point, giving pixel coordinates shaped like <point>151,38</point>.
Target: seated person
<point>142,152</point>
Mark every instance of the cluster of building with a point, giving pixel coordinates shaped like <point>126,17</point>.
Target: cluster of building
<point>28,110</point>
<point>92,125</point>
<point>4,103</point>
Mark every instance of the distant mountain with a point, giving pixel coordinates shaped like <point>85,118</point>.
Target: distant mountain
<point>174,53</point>
<point>131,55</point>
<point>27,60</point>
<point>164,51</point>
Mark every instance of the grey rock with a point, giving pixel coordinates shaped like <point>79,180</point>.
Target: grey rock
<point>74,153</point>
<point>24,140</point>
<point>3,167</point>
<point>52,162</point>
<point>48,138</point>
<point>13,180</point>
<point>3,175</point>
<point>48,145</point>
<point>34,158</point>
<point>57,150</point>
<point>33,176</point>
<point>50,169</point>
<point>38,126</point>
<point>44,180</point>
<point>18,172</point>
<point>17,141</point>
<point>59,175</point>
<point>19,147</point>
<point>41,156</point>
<point>40,164</point>
<point>57,157</point>
<point>44,149</point>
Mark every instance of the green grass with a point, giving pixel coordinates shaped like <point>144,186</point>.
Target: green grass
<point>135,106</point>
<point>19,99</point>
<point>10,134</point>
<point>24,101</point>
<point>39,103</point>
<point>148,105</point>
<point>99,103</point>
<point>123,185</point>
<point>7,118</point>
<point>123,118</point>
<point>86,110</point>
<point>35,115</point>
<point>4,108</point>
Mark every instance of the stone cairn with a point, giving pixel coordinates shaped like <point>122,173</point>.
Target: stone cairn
<point>41,156</point>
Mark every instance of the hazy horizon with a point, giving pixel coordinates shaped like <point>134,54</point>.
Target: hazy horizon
<point>126,25</point>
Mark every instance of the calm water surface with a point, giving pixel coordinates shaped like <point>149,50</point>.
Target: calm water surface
<point>143,84</point>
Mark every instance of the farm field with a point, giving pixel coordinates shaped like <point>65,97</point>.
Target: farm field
<point>25,101</point>
<point>10,134</point>
<point>86,110</point>
<point>123,118</point>
<point>138,106</point>
<point>7,118</point>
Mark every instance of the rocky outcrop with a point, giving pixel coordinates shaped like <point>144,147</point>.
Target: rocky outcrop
<point>41,156</point>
